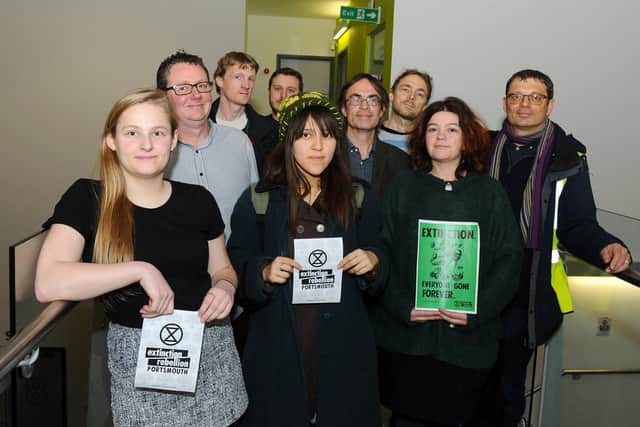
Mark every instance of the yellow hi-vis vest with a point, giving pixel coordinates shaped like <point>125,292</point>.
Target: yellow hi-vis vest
<point>559,280</point>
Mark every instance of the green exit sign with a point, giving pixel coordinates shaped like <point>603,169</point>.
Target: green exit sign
<point>360,14</point>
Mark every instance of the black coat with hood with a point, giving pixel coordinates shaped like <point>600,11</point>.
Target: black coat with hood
<point>347,393</point>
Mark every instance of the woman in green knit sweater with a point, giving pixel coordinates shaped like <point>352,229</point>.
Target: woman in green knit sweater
<point>454,247</point>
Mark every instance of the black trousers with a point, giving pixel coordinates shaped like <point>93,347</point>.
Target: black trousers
<point>421,389</point>
<point>504,403</point>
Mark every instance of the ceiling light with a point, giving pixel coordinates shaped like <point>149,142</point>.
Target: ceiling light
<point>344,26</point>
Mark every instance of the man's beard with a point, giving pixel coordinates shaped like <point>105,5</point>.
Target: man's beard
<point>409,117</point>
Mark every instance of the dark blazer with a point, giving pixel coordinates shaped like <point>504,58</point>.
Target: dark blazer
<point>272,362</point>
<point>388,161</point>
<point>261,130</point>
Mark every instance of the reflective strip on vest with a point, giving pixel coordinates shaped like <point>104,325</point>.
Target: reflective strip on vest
<point>559,280</point>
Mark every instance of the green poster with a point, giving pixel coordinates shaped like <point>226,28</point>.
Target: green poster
<point>447,265</point>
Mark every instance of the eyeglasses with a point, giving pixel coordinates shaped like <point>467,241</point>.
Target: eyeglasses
<point>533,98</point>
<point>371,100</point>
<point>187,88</point>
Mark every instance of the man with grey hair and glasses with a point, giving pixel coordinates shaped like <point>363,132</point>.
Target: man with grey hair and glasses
<point>362,102</point>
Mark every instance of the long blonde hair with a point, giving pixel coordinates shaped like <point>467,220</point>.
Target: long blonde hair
<point>114,234</point>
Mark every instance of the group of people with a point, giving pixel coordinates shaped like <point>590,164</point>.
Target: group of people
<point>202,205</point>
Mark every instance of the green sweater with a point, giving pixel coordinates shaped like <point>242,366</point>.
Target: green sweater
<point>415,195</point>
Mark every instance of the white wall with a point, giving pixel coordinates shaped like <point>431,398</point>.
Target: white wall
<point>63,64</point>
<point>588,48</point>
<point>604,400</point>
<point>268,36</point>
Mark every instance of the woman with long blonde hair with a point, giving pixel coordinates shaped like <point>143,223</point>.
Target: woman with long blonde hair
<point>147,245</point>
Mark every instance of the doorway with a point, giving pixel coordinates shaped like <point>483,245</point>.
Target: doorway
<point>341,74</point>
<point>317,71</point>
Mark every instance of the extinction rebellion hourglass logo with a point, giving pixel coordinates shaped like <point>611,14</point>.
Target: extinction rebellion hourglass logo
<point>171,334</point>
<point>169,360</point>
<point>317,258</point>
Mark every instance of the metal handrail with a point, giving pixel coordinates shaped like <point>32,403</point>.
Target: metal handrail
<point>579,372</point>
<point>631,275</point>
<point>21,344</point>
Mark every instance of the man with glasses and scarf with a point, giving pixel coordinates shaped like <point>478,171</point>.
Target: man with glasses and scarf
<point>219,158</point>
<point>362,102</point>
<point>545,173</point>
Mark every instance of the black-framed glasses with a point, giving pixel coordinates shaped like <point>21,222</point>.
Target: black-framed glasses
<point>187,88</point>
<point>533,98</point>
<point>371,100</point>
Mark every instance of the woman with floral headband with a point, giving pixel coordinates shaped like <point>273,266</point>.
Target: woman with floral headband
<point>308,361</point>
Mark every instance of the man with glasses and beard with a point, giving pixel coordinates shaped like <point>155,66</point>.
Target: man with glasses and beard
<point>544,172</point>
<point>362,102</point>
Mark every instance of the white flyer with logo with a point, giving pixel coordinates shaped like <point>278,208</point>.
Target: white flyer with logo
<point>320,280</point>
<point>169,354</point>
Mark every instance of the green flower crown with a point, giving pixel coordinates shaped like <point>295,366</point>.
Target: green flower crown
<point>292,105</point>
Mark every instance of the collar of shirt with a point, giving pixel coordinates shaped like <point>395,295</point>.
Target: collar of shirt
<point>353,149</point>
<point>208,140</point>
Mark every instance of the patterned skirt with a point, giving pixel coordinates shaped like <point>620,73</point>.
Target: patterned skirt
<point>220,397</point>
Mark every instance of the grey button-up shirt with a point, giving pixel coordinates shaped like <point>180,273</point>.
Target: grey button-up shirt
<point>224,164</point>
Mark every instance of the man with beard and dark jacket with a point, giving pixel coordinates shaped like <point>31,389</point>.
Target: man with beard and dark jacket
<point>283,83</point>
<point>235,78</point>
<point>545,173</point>
<point>409,96</point>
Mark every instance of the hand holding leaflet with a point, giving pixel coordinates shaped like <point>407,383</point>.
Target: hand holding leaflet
<point>158,290</point>
<point>218,301</point>
<point>359,262</point>
<point>279,270</point>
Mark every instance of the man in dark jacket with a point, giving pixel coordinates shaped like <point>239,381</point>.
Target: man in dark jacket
<point>409,96</point>
<point>235,78</point>
<point>545,174</point>
<point>363,102</point>
<point>284,82</point>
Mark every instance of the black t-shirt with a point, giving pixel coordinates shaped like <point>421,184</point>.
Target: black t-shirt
<point>173,237</point>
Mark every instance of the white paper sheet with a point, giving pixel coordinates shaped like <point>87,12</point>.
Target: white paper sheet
<point>319,281</point>
<point>169,354</point>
